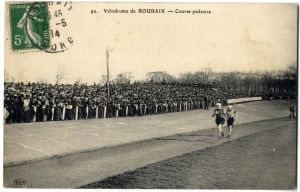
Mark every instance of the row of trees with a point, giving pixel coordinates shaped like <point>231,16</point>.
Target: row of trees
<point>275,80</point>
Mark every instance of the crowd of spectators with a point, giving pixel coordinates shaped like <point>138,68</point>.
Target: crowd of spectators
<point>38,102</point>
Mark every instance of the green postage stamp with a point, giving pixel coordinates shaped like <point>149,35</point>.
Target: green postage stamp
<point>29,23</point>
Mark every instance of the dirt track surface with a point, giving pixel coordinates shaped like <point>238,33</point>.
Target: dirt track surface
<point>263,160</point>
<point>71,154</point>
<point>28,142</point>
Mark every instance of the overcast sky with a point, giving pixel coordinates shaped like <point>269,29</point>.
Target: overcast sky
<point>233,37</point>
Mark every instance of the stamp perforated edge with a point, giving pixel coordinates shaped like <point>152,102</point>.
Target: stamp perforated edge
<point>8,29</point>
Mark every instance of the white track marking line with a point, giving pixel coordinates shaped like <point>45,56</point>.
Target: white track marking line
<point>60,142</point>
<point>122,140</point>
<point>61,131</point>
<point>37,135</point>
<point>86,134</point>
<point>43,128</point>
<point>31,148</point>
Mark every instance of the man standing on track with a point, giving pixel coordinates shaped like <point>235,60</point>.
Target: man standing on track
<point>231,116</point>
<point>219,113</point>
<point>292,110</point>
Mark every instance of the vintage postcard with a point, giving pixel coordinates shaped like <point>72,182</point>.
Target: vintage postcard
<point>150,95</point>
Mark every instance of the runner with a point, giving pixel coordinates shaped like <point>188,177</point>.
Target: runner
<point>219,113</point>
<point>292,110</point>
<point>231,116</point>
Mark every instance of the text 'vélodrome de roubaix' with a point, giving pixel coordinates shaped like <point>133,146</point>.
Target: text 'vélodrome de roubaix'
<point>152,11</point>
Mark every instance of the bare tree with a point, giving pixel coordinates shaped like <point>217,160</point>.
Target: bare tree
<point>205,75</point>
<point>159,76</point>
<point>61,73</point>
<point>123,78</point>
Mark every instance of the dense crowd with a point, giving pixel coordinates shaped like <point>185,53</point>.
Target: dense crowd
<point>37,102</point>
